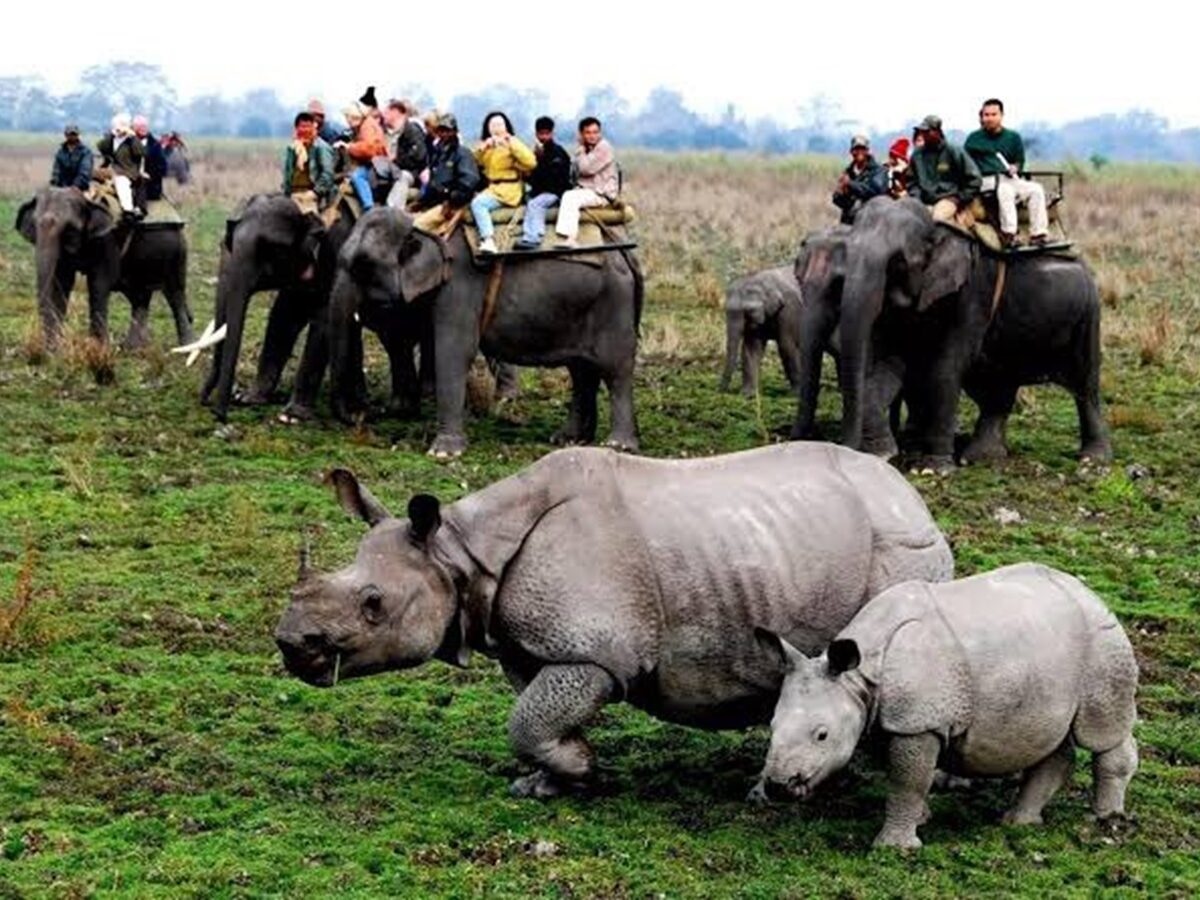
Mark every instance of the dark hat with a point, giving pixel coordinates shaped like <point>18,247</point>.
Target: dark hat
<point>368,98</point>
<point>71,129</point>
<point>860,141</point>
<point>930,123</point>
<point>447,120</point>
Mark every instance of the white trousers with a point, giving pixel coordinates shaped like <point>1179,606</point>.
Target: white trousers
<point>569,207</point>
<point>397,197</point>
<point>1011,191</point>
<point>124,191</point>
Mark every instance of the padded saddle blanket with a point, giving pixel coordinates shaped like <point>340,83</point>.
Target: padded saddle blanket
<point>159,213</point>
<point>509,222</point>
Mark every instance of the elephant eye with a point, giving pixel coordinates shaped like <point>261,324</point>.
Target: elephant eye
<point>822,733</point>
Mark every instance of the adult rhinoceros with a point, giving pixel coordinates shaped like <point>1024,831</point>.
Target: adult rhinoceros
<point>595,577</point>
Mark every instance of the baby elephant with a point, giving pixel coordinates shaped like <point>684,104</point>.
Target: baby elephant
<point>992,675</point>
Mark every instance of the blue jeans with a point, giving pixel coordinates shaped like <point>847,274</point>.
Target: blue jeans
<point>535,217</point>
<point>361,179</point>
<point>481,209</point>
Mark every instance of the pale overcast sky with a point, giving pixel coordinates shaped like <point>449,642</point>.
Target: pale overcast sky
<point>885,64</point>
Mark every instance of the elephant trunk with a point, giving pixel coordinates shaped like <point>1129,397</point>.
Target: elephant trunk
<point>862,302</point>
<point>735,322</point>
<point>345,348</point>
<point>52,301</point>
<point>234,287</point>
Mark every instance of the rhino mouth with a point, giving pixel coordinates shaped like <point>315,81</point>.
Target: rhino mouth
<point>314,663</point>
<point>795,788</point>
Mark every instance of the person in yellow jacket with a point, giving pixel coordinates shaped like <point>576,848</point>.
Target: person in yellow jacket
<point>504,161</point>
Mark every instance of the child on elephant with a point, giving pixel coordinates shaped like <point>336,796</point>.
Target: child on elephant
<point>504,161</point>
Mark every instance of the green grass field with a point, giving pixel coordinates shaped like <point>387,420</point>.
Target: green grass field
<point>151,744</point>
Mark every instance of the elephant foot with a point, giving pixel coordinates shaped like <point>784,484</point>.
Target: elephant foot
<point>932,465</point>
<point>884,447</point>
<point>447,446</point>
<point>136,339</point>
<point>541,785</point>
<point>568,436</point>
<point>405,408</point>
<point>623,444</point>
<point>804,433</point>
<point>253,397</point>
<point>980,451</point>
<point>297,414</point>
<point>1096,452</point>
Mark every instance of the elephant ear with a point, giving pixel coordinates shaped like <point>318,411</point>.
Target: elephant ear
<point>947,269</point>
<point>99,222</point>
<point>26,222</point>
<point>422,265</point>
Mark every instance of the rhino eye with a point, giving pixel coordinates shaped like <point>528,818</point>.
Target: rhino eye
<point>822,733</point>
<point>372,607</point>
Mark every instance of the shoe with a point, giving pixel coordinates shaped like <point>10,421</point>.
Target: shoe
<point>1009,241</point>
<point>526,246</point>
<point>566,243</point>
<point>1040,240</point>
<point>487,245</point>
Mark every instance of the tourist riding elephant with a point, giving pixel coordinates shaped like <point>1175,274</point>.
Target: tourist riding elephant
<point>754,306</point>
<point>534,312</point>
<point>73,236</point>
<point>918,310</point>
<point>274,246</point>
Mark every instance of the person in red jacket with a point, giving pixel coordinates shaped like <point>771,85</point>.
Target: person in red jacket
<point>368,143</point>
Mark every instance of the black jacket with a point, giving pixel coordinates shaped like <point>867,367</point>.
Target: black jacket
<point>453,176</point>
<point>155,167</point>
<point>411,153</point>
<point>553,172</point>
<point>72,166</point>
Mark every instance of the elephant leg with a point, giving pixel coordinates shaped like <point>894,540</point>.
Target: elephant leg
<point>580,427</point>
<point>176,294</point>
<point>546,727</point>
<point>996,401</point>
<point>939,416</point>
<point>313,360</point>
<point>623,435</point>
<point>1040,783</point>
<point>100,286</point>
<point>883,388</point>
<point>1093,434</point>
<point>789,355</point>
<point>405,401</point>
<point>816,327</point>
<point>139,322</point>
<point>284,324</point>
<point>52,305</point>
<point>508,382</point>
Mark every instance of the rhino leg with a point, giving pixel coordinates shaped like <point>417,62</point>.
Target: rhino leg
<point>1041,782</point>
<point>546,727</point>
<point>912,762</point>
<point>1111,772</point>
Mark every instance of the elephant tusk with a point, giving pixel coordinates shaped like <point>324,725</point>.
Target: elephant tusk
<point>209,338</point>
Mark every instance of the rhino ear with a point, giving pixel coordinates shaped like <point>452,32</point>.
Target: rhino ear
<point>424,516</point>
<point>355,498</point>
<point>775,646</point>
<point>843,656</point>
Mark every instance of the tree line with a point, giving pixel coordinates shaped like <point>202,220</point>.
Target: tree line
<point>663,122</point>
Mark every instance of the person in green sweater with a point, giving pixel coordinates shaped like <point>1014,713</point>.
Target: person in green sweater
<point>1000,155</point>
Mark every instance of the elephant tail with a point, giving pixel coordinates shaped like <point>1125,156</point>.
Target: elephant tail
<point>639,289</point>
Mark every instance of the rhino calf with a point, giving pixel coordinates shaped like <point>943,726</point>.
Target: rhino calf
<point>997,674</point>
<point>594,577</point>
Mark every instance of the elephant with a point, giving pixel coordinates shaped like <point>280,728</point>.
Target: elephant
<point>269,247</point>
<point>543,312</point>
<point>917,308</point>
<point>74,236</point>
<point>754,306</point>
